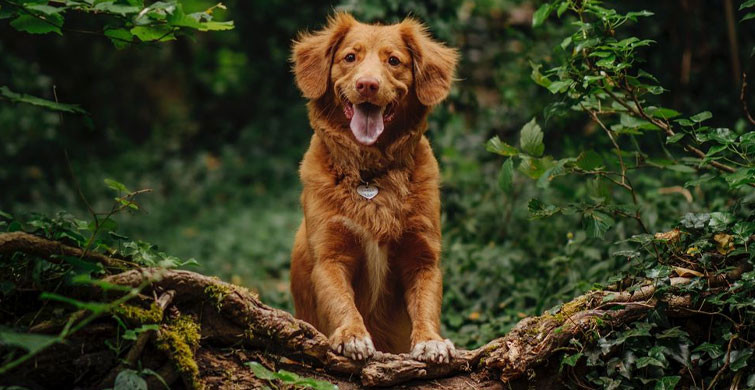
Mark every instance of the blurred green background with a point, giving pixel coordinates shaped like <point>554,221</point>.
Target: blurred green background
<point>216,128</point>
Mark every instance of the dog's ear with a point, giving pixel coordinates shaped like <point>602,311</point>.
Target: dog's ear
<point>434,63</point>
<point>313,55</point>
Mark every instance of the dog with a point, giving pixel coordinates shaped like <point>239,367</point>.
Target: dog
<point>365,263</point>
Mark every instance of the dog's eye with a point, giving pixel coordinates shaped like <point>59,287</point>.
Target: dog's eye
<point>350,57</point>
<point>394,61</point>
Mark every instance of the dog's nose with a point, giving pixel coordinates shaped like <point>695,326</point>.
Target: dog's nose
<point>367,86</point>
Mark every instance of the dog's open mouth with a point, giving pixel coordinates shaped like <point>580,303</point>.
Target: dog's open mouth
<point>367,120</point>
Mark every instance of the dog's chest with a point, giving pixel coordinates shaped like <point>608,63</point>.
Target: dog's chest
<point>379,207</point>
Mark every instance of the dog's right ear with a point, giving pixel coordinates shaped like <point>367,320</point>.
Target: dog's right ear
<point>313,55</point>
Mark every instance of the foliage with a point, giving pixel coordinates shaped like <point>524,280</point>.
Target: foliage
<point>54,276</point>
<point>289,378</point>
<point>598,74</point>
<point>123,20</point>
<point>586,165</point>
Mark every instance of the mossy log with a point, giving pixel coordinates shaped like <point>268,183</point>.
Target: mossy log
<point>216,327</point>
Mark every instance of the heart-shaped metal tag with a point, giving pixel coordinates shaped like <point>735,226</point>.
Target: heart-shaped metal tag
<point>367,191</point>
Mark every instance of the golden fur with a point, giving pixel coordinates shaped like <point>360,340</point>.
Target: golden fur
<point>367,271</point>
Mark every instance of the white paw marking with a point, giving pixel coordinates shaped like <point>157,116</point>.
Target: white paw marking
<point>356,348</point>
<point>434,351</point>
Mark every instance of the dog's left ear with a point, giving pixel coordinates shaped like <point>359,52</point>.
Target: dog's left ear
<point>313,55</point>
<point>434,63</point>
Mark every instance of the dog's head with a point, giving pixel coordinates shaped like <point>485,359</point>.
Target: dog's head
<point>372,73</point>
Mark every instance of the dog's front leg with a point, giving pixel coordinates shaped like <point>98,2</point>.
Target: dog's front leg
<point>423,289</point>
<point>338,252</point>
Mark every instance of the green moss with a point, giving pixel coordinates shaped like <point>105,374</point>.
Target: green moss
<point>139,315</point>
<point>569,308</point>
<point>217,292</point>
<point>178,339</point>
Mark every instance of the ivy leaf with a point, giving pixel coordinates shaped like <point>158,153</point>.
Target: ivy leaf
<point>667,382</point>
<point>531,139</point>
<point>129,380</point>
<point>41,24</point>
<point>571,360</point>
<point>739,358</point>
<point>649,361</point>
<point>506,176</point>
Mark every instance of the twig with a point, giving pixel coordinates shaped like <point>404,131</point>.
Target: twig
<point>726,363</point>
<point>744,101</point>
<point>38,246</point>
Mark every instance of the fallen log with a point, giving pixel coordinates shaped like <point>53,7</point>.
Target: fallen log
<point>234,327</point>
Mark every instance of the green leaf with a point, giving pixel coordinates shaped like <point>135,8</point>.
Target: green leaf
<point>538,77</point>
<point>571,360</point>
<point>741,177</point>
<point>739,358</point>
<point>260,371</point>
<point>562,8</point>
<point>506,176</point>
<point>749,16</point>
<point>559,86</point>
<point>44,9</point>
<point>153,33</point>
<point>535,167</point>
<point>674,138</point>
<point>667,382</point>
<point>33,100</point>
<point>531,139</point>
<point>681,168</point>
<point>539,209</point>
<point>94,307</point>
<point>495,145</point>
<point>129,380</point>
<point>541,14</point>
<point>697,118</point>
<point>115,185</point>
<point>663,113</point>
<point>590,160</point>
<point>28,341</point>
<point>649,361</point>
<point>118,9</point>
<point>747,4</point>
<point>597,223</point>
<point>41,24</point>
<point>120,37</point>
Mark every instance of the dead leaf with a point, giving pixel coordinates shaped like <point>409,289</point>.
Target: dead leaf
<point>671,236</point>
<point>686,272</point>
<point>724,243</point>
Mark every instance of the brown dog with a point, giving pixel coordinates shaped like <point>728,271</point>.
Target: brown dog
<point>365,264</point>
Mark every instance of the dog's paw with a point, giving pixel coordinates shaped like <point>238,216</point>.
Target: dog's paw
<point>434,351</point>
<point>356,345</point>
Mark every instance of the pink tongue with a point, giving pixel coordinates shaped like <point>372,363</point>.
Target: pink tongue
<point>367,123</point>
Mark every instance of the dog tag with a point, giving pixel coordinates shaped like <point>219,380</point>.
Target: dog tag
<point>367,191</point>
